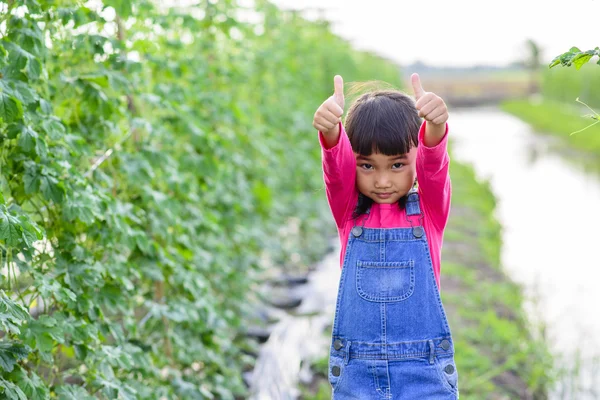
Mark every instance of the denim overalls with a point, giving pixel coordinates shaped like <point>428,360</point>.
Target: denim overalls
<point>391,338</point>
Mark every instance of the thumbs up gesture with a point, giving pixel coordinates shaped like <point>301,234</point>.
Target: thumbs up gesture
<point>430,106</point>
<point>328,115</point>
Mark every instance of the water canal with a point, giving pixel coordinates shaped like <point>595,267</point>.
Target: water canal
<point>548,203</point>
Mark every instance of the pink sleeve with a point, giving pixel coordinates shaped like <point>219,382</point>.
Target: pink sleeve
<point>339,174</point>
<point>434,179</point>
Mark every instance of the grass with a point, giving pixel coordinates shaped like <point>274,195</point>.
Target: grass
<point>499,354</point>
<point>560,120</point>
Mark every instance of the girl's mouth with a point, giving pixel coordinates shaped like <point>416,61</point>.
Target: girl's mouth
<point>383,195</point>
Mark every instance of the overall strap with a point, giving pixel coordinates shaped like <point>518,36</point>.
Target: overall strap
<point>412,203</point>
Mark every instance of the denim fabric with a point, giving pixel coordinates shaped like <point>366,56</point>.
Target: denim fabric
<point>391,338</point>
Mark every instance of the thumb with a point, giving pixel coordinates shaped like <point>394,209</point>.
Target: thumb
<point>338,94</point>
<point>416,84</point>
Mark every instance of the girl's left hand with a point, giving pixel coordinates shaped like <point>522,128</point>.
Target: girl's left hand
<point>431,107</point>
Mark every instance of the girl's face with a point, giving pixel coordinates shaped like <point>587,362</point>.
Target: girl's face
<point>385,179</point>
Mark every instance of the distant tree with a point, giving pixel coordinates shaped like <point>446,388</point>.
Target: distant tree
<point>533,63</point>
<point>535,54</point>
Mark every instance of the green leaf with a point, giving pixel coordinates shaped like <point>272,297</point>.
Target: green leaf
<point>43,335</point>
<point>117,357</point>
<point>555,62</point>
<point>10,353</point>
<point>31,179</point>
<point>33,386</point>
<point>46,107</point>
<point>70,392</point>
<point>81,207</point>
<point>11,391</point>
<point>25,94</point>
<point>10,109</point>
<point>44,345</point>
<point>27,138</point>
<point>81,351</point>
<point>51,188</point>
<point>580,59</point>
<point>122,7</point>
<point>575,56</point>
<point>30,37</point>
<point>13,130</point>
<point>12,315</point>
<point>53,127</point>
<point>41,149</point>
<point>10,231</point>
<point>3,55</point>
<point>31,233</point>
<point>20,62</point>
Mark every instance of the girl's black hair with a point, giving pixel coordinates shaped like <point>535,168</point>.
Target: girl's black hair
<point>382,121</point>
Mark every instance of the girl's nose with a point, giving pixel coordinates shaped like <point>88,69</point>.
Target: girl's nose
<point>382,181</point>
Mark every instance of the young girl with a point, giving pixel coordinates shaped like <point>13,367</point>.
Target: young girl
<point>391,338</point>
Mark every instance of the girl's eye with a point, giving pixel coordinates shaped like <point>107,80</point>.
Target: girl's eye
<point>367,166</point>
<point>397,165</point>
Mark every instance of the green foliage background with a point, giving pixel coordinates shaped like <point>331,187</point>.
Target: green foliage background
<point>149,158</point>
<point>564,85</point>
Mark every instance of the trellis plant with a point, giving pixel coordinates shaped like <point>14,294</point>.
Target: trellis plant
<point>149,158</point>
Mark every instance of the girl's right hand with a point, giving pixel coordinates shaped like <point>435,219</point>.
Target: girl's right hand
<point>328,116</point>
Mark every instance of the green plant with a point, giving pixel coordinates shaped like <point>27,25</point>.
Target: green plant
<point>578,58</point>
<point>594,115</point>
<point>154,161</point>
<point>575,57</point>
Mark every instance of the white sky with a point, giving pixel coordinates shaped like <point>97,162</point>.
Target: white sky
<point>461,32</point>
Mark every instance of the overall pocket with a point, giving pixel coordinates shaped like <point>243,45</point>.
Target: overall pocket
<point>336,370</point>
<point>385,281</point>
<point>446,368</point>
